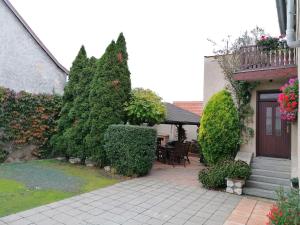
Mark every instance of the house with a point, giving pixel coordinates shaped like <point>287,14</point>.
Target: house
<point>275,144</point>
<point>177,117</point>
<point>25,62</point>
<point>192,106</point>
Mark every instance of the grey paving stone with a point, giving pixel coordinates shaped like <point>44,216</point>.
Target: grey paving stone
<point>21,222</point>
<point>36,218</point>
<point>154,221</point>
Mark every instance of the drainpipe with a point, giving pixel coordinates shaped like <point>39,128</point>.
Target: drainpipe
<point>290,24</point>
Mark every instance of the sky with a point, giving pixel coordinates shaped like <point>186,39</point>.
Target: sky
<point>166,39</point>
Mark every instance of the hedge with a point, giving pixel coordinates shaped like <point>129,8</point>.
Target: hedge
<point>219,133</point>
<point>130,149</point>
<point>215,177</point>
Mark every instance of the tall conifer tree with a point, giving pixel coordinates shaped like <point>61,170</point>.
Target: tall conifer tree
<point>76,133</point>
<point>110,89</point>
<point>66,115</point>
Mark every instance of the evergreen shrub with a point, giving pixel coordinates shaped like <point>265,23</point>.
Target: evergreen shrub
<point>130,149</point>
<point>215,177</point>
<point>219,133</point>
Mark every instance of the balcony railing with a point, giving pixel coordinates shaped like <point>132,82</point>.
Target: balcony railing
<point>259,58</point>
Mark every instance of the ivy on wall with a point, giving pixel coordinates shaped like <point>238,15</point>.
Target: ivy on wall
<point>28,118</point>
<point>228,58</point>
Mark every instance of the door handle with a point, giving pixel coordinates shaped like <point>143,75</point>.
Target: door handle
<point>287,128</point>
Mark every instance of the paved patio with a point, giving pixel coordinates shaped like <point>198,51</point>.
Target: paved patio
<point>170,196</point>
<point>250,212</point>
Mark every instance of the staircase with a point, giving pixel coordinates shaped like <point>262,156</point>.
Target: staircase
<point>268,175</point>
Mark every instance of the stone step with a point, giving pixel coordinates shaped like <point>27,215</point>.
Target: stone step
<point>272,167</point>
<point>265,186</point>
<point>272,180</point>
<point>259,193</point>
<point>271,173</point>
<point>268,159</point>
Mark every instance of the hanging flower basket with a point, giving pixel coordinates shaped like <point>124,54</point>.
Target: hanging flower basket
<point>288,100</point>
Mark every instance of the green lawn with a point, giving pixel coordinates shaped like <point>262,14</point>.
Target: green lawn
<point>35,183</point>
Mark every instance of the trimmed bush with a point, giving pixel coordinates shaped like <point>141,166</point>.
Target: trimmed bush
<point>219,133</point>
<point>130,149</point>
<point>215,176</point>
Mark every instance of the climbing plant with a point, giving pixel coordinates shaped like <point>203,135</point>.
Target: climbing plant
<point>228,58</point>
<point>28,118</point>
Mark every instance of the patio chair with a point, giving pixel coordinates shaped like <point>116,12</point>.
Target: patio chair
<point>177,154</point>
<point>161,154</point>
<point>186,147</point>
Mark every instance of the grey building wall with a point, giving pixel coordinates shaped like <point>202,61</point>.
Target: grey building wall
<point>24,65</point>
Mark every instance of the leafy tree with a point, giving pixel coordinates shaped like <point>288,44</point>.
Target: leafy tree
<point>110,89</point>
<point>219,133</point>
<point>145,107</point>
<point>67,116</point>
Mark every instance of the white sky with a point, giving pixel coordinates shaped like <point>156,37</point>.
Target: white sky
<point>166,39</point>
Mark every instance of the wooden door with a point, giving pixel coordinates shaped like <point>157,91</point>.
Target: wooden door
<point>274,134</point>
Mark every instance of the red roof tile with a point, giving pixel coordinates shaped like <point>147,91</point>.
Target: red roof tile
<point>192,106</point>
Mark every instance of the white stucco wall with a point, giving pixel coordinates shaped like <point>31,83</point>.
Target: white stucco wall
<point>23,63</point>
<point>213,78</point>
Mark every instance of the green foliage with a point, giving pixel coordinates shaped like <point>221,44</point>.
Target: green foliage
<point>215,177</point>
<point>295,182</point>
<point>287,208</point>
<point>219,133</point>
<point>80,111</point>
<point>28,118</point>
<point>145,107</point>
<point>3,155</point>
<point>63,141</point>
<point>110,89</point>
<point>130,149</point>
<point>229,61</point>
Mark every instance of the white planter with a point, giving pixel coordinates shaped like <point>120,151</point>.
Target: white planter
<point>235,186</point>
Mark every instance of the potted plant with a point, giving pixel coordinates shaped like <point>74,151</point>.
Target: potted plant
<point>295,182</point>
<point>288,100</point>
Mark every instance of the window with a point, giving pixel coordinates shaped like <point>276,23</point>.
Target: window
<point>278,122</point>
<point>268,96</point>
<point>269,121</point>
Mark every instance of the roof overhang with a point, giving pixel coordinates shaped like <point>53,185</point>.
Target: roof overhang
<point>181,123</point>
<point>267,74</point>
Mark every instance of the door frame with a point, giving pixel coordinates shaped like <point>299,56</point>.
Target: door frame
<point>257,118</point>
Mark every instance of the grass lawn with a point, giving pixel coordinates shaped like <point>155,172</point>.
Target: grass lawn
<point>30,184</point>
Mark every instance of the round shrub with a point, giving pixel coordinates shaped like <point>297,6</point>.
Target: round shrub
<point>219,133</point>
<point>130,149</point>
<point>215,176</point>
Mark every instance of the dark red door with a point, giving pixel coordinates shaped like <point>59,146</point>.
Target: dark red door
<point>274,134</point>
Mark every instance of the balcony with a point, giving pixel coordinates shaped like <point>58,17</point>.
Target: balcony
<point>260,63</point>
